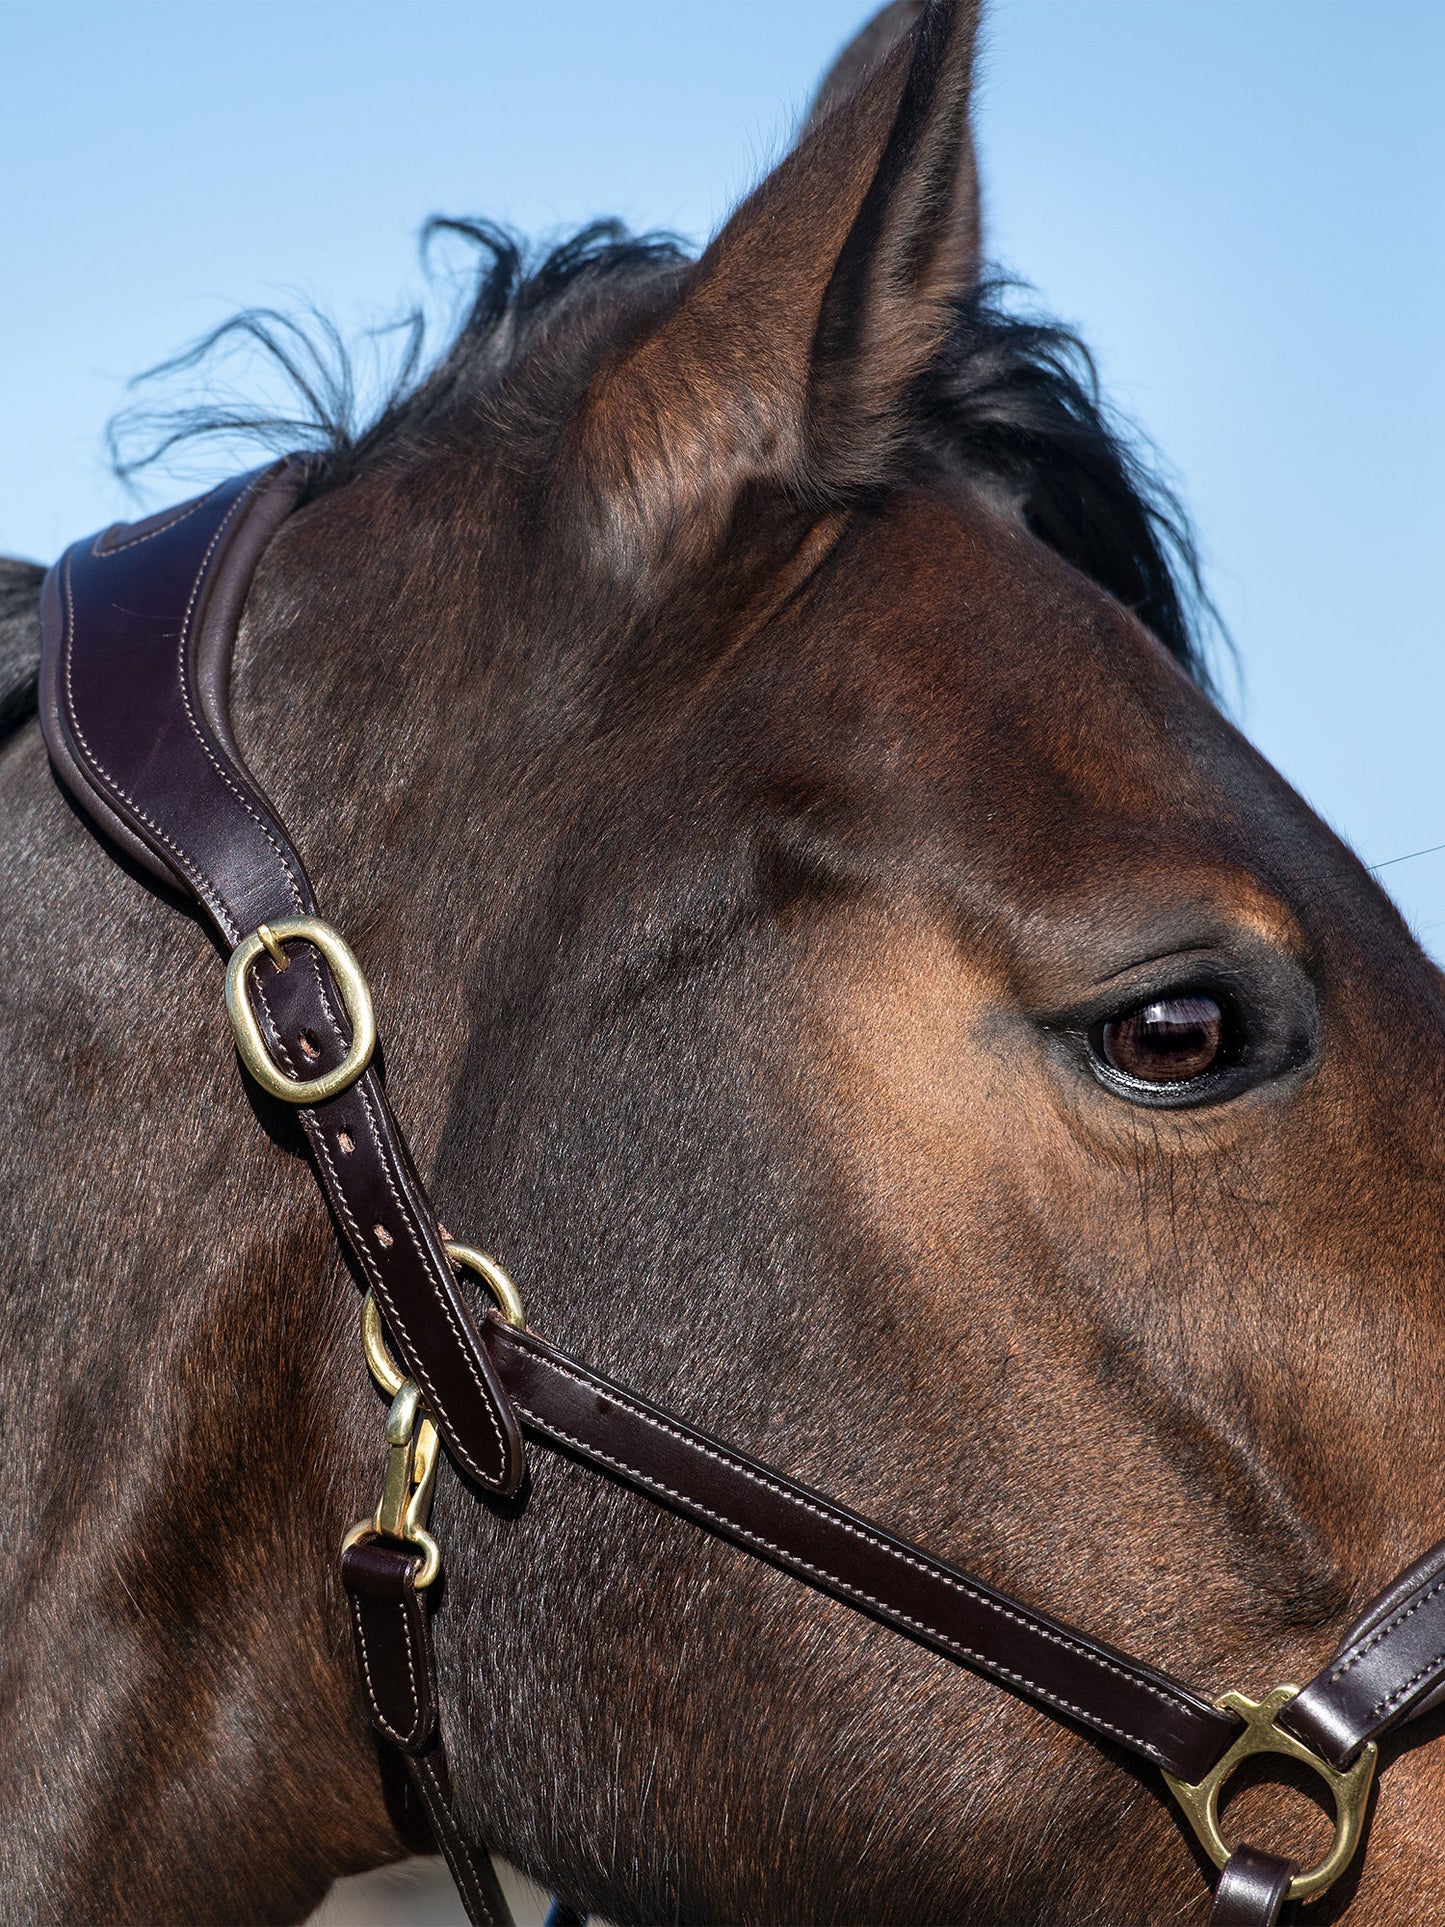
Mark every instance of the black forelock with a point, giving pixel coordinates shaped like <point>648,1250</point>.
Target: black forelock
<point>1014,402</point>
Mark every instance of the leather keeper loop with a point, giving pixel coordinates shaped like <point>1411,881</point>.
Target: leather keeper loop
<point>393,1648</point>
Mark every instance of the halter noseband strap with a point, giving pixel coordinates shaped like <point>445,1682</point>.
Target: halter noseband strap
<point>139,625</point>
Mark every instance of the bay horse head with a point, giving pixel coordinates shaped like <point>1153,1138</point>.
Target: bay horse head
<point>835,952</point>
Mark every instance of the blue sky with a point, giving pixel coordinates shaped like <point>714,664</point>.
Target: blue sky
<point>1238,202</point>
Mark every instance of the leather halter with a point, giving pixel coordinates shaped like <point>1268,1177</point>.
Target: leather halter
<point>139,626</point>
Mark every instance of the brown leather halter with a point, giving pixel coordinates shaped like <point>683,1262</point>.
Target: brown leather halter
<point>139,626</point>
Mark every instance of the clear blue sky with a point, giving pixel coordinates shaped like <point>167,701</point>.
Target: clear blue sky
<point>1241,203</point>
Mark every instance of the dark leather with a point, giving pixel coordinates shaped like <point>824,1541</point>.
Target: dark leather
<point>840,1553</point>
<point>392,1631</point>
<point>388,1620</point>
<point>139,740</point>
<point>1389,1667</point>
<point>138,630</point>
<point>1251,1890</point>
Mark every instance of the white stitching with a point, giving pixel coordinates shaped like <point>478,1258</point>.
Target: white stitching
<point>204,884</point>
<point>315,955</point>
<point>382,1721</point>
<point>378,1284</point>
<point>277,1036</point>
<point>735,1530</point>
<point>441,1295</point>
<point>1383,1632</point>
<point>174,522</point>
<point>204,887</point>
<point>1403,1692</point>
<point>216,765</point>
<point>758,1478</point>
<point>460,1844</point>
<point>423,1255</point>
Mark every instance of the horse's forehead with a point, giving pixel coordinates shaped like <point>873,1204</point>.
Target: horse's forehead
<point>979,679</point>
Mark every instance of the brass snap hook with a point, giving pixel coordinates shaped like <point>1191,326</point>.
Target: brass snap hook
<point>411,1471</point>
<point>412,1447</point>
<point>1349,1789</point>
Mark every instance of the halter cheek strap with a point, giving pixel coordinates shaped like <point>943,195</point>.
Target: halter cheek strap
<point>139,625</point>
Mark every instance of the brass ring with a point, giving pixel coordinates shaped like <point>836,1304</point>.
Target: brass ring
<point>355,1001</point>
<point>1349,1789</point>
<point>505,1294</point>
<point>379,1360</point>
<point>383,1367</point>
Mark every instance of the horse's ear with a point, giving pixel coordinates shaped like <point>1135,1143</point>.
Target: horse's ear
<point>792,347</point>
<point>911,252</point>
<point>872,43</point>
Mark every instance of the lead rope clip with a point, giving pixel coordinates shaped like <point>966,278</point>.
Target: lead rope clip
<point>412,1447</point>
<point>411,1458</point>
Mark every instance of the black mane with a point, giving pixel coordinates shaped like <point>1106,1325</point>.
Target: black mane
<point>1015,404</point>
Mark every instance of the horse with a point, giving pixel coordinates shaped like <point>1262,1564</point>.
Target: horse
<point>749,715</point>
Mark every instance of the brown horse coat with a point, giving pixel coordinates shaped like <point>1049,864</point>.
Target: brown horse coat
<point>750,803</point>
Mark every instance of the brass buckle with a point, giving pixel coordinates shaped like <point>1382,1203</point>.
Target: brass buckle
<point>1349,1789</point>
<point>355,1000</point>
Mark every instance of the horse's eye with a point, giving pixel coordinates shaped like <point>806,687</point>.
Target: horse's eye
<point>1168,1041</point>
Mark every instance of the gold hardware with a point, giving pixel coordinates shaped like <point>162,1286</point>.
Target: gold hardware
<point>410,1465</point>
<point>411,1439</point>
<point>373,1342</point>
<point>504,1292</point>
<point>411,1456</point>
<point>1350,1789</point>
<point>411,1471</point>
<point>382,1366</point>
<point>273,949</point>
<point>355,999</point>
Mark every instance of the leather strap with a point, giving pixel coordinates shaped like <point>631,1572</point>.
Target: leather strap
<point>838,1552</point>
<point>1252,1889</point>
<point>391,1627</point>
<point>138,627</point>
<point>1389,1667</point>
